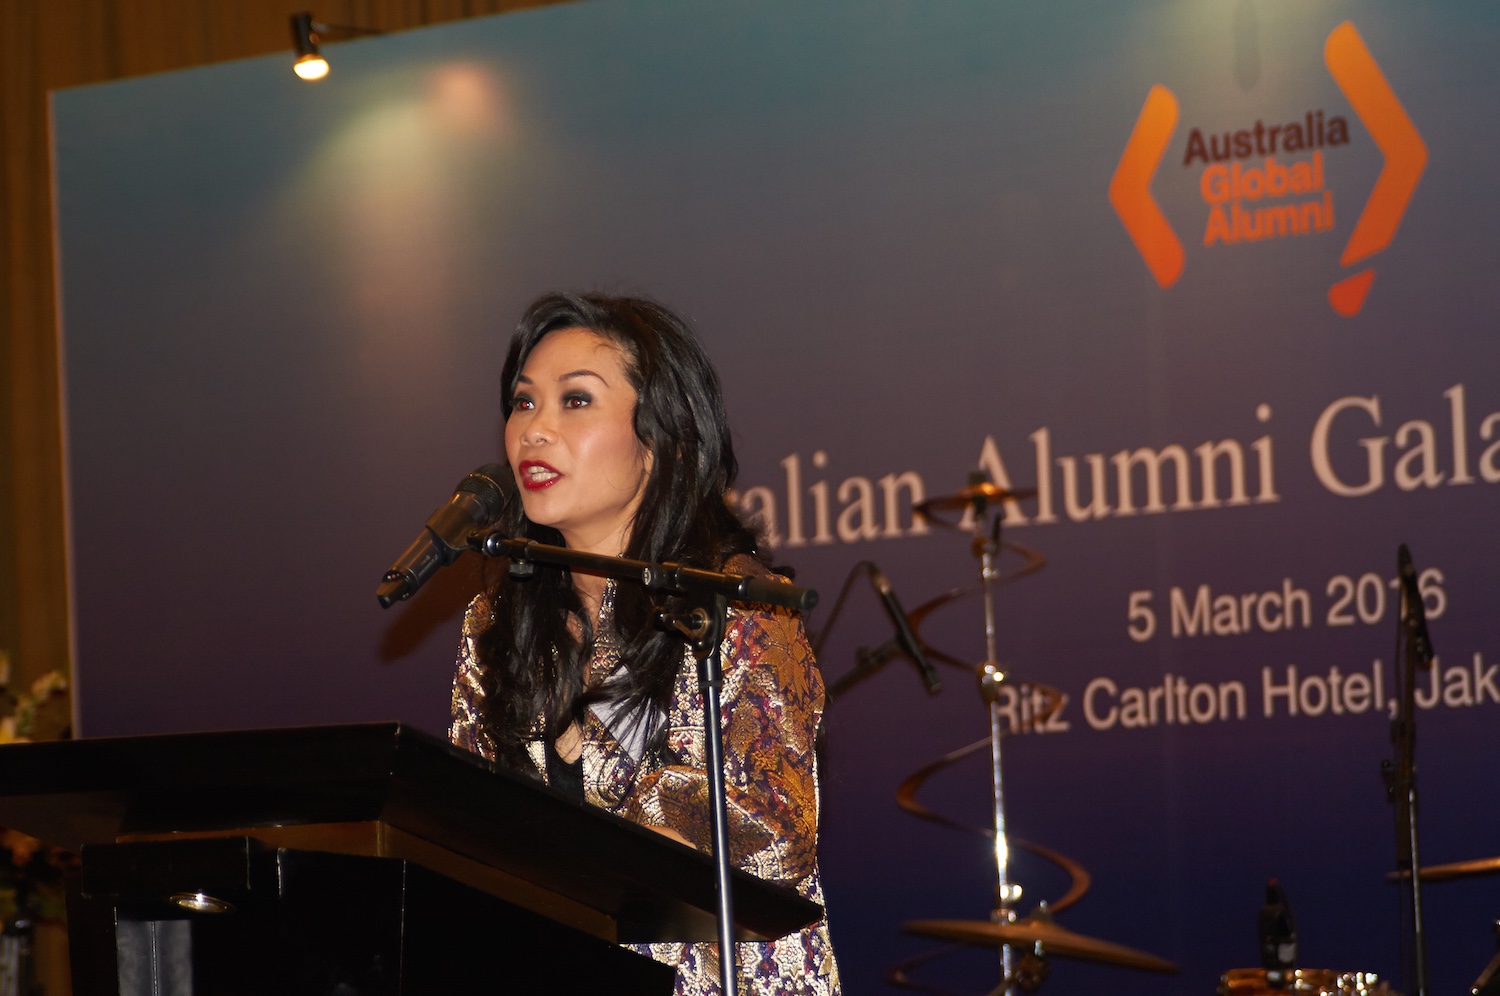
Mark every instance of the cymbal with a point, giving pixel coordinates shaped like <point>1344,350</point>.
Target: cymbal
<point>1053,939</point>
<point>1456,869</point>
<point>962,499</point>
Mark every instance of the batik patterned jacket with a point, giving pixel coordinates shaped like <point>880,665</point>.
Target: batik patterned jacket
<point>772,700</point>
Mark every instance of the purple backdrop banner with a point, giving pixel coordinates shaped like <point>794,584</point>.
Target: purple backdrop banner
<point>1217,280</point>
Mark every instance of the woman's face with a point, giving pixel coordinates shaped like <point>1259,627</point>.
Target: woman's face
<point>571,441</point>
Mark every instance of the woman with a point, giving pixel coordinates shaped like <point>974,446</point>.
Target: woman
<point>616,433</point>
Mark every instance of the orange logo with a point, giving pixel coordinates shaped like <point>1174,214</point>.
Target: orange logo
<point>1225,187</point>
<point>1130,188</point>
<point>1353,68</point>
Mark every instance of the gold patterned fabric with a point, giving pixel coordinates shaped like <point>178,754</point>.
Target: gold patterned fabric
<point>772,701</point>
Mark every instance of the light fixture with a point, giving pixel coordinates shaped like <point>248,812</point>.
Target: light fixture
<point>306,33</point>
<point>310,64</point>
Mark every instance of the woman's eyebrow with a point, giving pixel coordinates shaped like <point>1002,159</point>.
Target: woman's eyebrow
<point>523,379</point>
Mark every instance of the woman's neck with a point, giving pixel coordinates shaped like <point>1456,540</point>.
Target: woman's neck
<point>590,590</point>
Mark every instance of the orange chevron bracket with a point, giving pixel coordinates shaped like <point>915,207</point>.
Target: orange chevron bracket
<point>1354,69</point>
<point>1348,295</point>
<point>1130,187</point>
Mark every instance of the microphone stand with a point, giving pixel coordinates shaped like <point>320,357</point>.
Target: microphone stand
<point>866,663</point>
<point>1401,779</point>
<point>707,595</point>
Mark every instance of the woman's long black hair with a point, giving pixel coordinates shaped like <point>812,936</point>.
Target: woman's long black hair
<point>532,665</point>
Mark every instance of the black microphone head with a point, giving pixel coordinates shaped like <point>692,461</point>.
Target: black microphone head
<point>493,484</point>
<point>1277,930</point>
<point>478,500</point>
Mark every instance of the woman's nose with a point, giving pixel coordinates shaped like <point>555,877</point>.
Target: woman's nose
<point>538,430</point>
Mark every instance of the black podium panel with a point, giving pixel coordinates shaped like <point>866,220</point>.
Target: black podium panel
<point>383,789</point>
<point>366,859</point>
<point>318,924</point>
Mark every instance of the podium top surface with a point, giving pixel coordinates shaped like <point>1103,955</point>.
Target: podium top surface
<point>444,808</point>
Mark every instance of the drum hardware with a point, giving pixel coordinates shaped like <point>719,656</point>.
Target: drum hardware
<point>1024,944</point>
<point>1038,702</point>
<point>975,497</point>
<point>1413,652</point>
<point>1300,981</point>
<point>1277,931</point>
<point>1448,872</point>
<point>985,546</point>
<point>899,975</point>
<point>1035,561</point>
<point>1488,983</point>
<point>1039,933</point>
<point>906,798</point>
<point>866,661</point>
<point>1279,975</point>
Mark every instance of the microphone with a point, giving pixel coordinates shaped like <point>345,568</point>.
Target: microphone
<point>1416,611</point>
<point>905,638</point>
<point>1278,935</point>
<point>477,501</point>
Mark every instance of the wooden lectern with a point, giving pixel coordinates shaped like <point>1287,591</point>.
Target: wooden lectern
<point>369,859</point>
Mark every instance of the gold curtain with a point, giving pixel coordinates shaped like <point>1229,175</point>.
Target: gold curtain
<point>46,45</point>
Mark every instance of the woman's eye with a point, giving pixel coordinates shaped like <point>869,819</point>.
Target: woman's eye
<point>576,399</point>
<point>521,403</point>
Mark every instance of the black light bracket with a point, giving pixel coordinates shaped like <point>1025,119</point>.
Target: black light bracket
<point>307,33</point>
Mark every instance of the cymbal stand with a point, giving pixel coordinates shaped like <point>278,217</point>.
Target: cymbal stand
<point>1401,772</point>
<point>986,546</point>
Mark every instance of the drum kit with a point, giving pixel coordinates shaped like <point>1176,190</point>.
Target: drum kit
<point>1025,942</point>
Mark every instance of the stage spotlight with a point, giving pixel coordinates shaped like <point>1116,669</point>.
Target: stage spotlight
<point>310,64</point>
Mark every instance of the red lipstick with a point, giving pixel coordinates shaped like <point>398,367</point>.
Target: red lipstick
<point>535,475</point>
